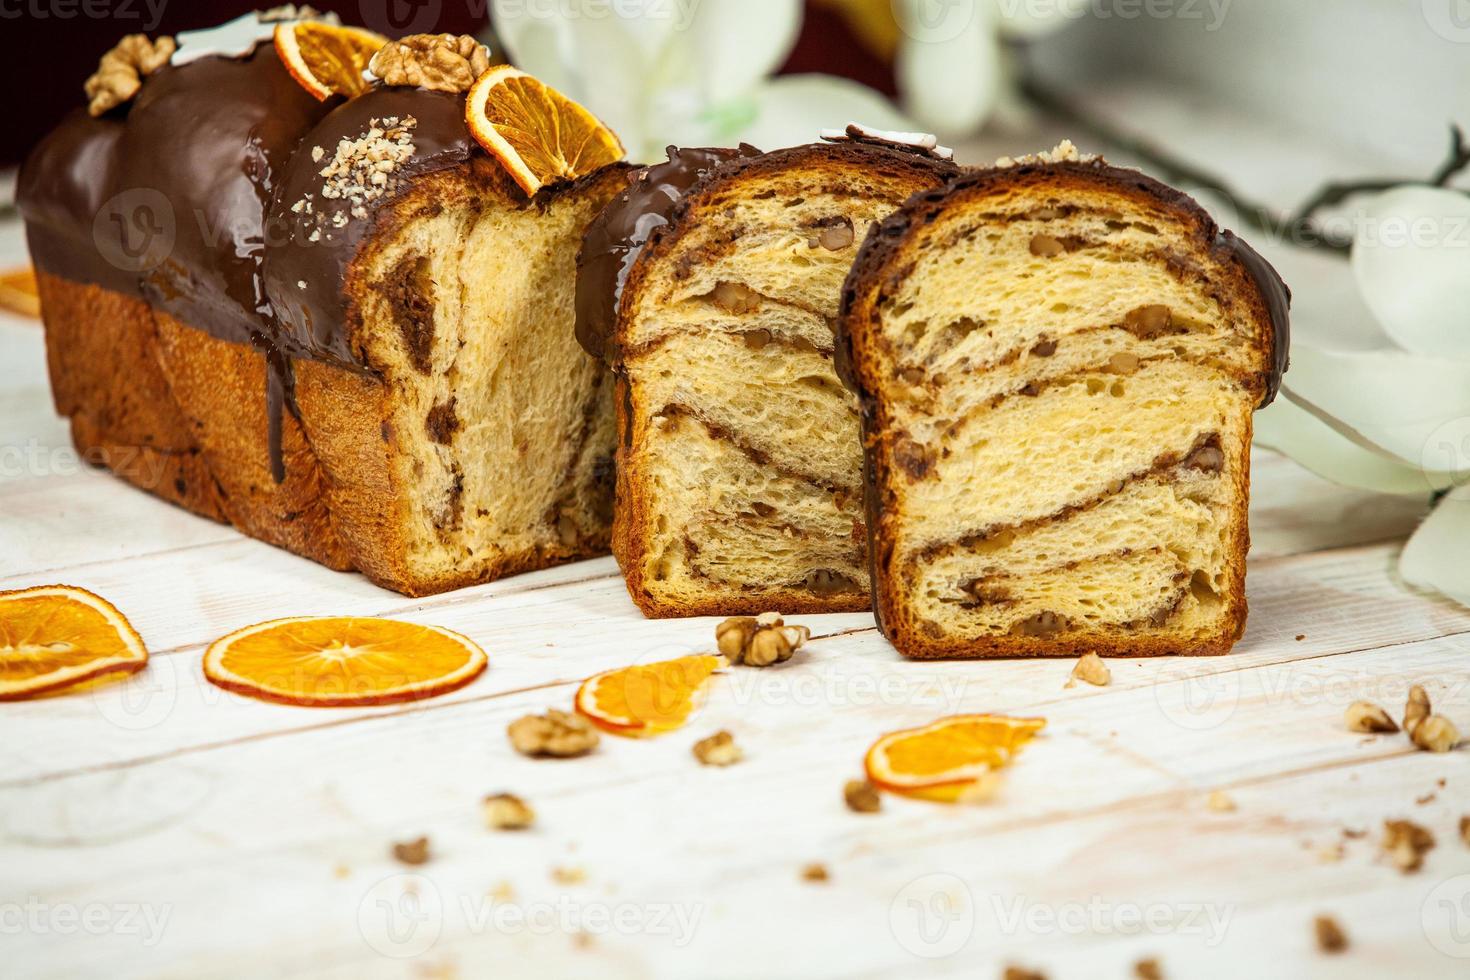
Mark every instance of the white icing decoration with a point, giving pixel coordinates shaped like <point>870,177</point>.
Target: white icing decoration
<point>237,38</point>
<point>919,141</point>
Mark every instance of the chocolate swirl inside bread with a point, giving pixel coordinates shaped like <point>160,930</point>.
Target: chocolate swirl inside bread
<point>740,468</point>
<point>1058,363</point>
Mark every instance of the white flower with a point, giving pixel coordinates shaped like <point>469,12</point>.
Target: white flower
<point>1392,414</point>
<point>951,65</point>
<point>692,73</point>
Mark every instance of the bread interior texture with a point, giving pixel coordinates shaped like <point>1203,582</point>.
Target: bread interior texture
<point>1069,426</point>
<point>748,458</point>
<point>504,425</point>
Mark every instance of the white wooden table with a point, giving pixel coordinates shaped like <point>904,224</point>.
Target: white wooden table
<point>160,827</point>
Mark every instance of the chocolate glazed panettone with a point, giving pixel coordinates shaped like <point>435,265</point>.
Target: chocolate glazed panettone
<point>710,287</point>
<point>339,326</point>
<point>1058,362</point>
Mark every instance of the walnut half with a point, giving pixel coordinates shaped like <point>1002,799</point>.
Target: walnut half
<point>442,62</point>
<point>759,641</point>
<point>121,71</point>
<point>556,733</point>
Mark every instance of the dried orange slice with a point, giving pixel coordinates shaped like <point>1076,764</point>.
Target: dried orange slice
<point>647,699</point>
<point>539,135</point>
<point>327,59</point>
<point>943,760</point>
<point>342,661</point>
<point>18,292</point>
<point>54,636</point>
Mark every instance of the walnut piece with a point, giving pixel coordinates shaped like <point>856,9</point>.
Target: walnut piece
<point>555,733</point>
<point>1435,734</point>
<point>413,851</point>
<point>506,811</point>
<point>718,750</point>
<point>1416,709</point>
<point>1365,716</point>
<point>121,71</point>
<point>1220,801</point>
<point>1091,670</point>
<point>816,871</point>
<point>862,796</point>
<point>1330,937</point>
<point>442,62</point>
<point>1148,970</point>
<point>1406,843</point>
<point>759,641</point>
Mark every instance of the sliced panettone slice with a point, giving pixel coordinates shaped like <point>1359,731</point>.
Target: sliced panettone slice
<point>739,467</point>
<point>1058,362</point>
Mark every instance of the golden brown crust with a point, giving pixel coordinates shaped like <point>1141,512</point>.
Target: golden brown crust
<point>887,257</point>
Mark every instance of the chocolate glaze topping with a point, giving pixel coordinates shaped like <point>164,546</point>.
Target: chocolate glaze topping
<point>182,197</point>
<point>1277,297</point>
<point>311,319</point>
<point>62,187</point>
<point>615,237</point>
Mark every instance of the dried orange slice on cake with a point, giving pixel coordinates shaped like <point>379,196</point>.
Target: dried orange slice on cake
<point>647,699</point>
<point>327,59</point>
<point>943,760</point>
<point>19,293</point>
<point>342,661</point>
<point>539,135</point>
<point>54,636</point>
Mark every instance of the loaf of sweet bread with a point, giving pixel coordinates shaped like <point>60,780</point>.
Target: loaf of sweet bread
<point>1058,361</point>
<point>710,287</point>
<point>338,325</point>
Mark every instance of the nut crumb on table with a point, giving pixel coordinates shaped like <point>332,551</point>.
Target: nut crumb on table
<point>412,852</point>
<point>718,750</point>
<point>1330,937</point>
<point>506,811</point>
<point>1406,843</point>
<point>816,871</point>
<point>862,796</point>
<point>1148,969</point>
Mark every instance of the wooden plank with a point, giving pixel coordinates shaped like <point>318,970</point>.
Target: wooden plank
<point>1109,802</point>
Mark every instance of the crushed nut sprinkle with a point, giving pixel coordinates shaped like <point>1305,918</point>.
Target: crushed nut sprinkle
<point>1406,843</point>
<point>506,811</point>
<point>412,852</point>
<point>360,171</point>
<point>862,796</point>
<point>556,733</point>
<point>1365,716</point>
<point>1063,152</point>
<point>121,71</point>
<point>1330,937</point>
<point>1148,970</point>
<point>718,750</point>
<point>441,62</point>
<point>1090,669</point>
<point>759,641</point>
<point>816,871</point>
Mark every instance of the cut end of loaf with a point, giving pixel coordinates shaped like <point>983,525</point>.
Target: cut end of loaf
<point>1061,364</point>
<point>740,472</point>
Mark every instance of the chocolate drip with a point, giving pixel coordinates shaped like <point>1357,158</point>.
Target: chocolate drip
<point>1277,297</point>
<point>616,236</point>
